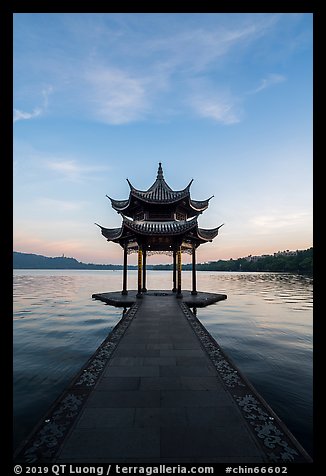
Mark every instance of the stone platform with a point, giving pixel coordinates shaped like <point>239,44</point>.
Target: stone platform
<point>199,300</point>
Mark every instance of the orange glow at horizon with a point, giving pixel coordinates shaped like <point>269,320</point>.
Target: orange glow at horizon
<point>111,253</point>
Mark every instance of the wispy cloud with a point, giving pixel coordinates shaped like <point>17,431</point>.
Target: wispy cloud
<point>222,108</point>
<point>194,51</point>
<point>270,80</point>
<point>116,96</point>
<point>67,167</point>
<point>123,93</point>
<point>144,72</point>
<point>38,111</point>
<point>22,115</point>
<point>71,169</point>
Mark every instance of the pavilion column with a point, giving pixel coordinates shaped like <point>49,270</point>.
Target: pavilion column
<point>194,290</point>
<point>125,265</point>
<point>179,266</point>
<point>174,272</point>
<point>144,272</point>
<point>139,293</point>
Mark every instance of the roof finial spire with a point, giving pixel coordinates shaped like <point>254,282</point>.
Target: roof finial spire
<point>160,171</point>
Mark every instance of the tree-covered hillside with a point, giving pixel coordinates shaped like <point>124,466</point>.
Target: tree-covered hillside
<point>302,262</point>
<point>32,261</point>
<point>299,262</point>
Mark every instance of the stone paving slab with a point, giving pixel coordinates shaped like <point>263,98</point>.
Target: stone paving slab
<point>161,417</point>
<point>184,371</point>
<point>160,383</point>
<point>133,371</point>
<point>119,383</point>
<point>209,441</point>
<point>119,442</point>
<point>106,418</point>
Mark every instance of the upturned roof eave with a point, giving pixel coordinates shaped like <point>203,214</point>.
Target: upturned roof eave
<point>208,234</point>
<point>115,204</point>
<point>193,204</point>
<point>128,230</point>
<point>111,234</point>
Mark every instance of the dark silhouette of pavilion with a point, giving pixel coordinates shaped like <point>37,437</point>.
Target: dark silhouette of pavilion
<point>159,220</point>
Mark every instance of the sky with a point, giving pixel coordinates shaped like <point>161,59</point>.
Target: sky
<point>224,99</point>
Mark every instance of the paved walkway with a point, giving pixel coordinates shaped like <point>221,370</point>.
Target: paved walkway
<point>160,399</point>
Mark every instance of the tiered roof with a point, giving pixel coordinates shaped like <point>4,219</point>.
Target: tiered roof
<point>169,228</point>
<point>159,194</point>
<point>160,209</point>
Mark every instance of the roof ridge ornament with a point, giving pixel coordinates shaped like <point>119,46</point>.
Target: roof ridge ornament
<point>160,175</point>
<point>189,184</point>
<point>130,185</point>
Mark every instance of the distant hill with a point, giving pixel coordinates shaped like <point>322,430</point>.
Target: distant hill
<point>300,261</point>
<point>32,261</point>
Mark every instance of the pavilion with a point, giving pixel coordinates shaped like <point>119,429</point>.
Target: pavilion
<point>159,220</point>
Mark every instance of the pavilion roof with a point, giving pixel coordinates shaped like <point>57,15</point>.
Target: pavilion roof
<point>156,214</point>
<point>160,193</point>
<point>131,229</point>
<point>172,227</point>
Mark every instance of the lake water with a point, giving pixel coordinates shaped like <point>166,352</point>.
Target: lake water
<point>265,326</point>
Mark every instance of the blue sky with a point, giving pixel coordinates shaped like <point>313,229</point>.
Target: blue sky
<point>225,99</point>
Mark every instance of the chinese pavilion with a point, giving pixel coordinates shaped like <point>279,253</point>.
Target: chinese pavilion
<point>159,220</point>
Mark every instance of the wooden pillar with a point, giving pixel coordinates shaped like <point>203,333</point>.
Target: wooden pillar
<point>125,265</point>
<point>144,272</point>
<point>139,294</point>
<point>174,272</point>
<point>179,294</point>
<point>194,290</point>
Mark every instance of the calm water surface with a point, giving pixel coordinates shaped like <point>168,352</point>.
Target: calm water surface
<point>265,326</point>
